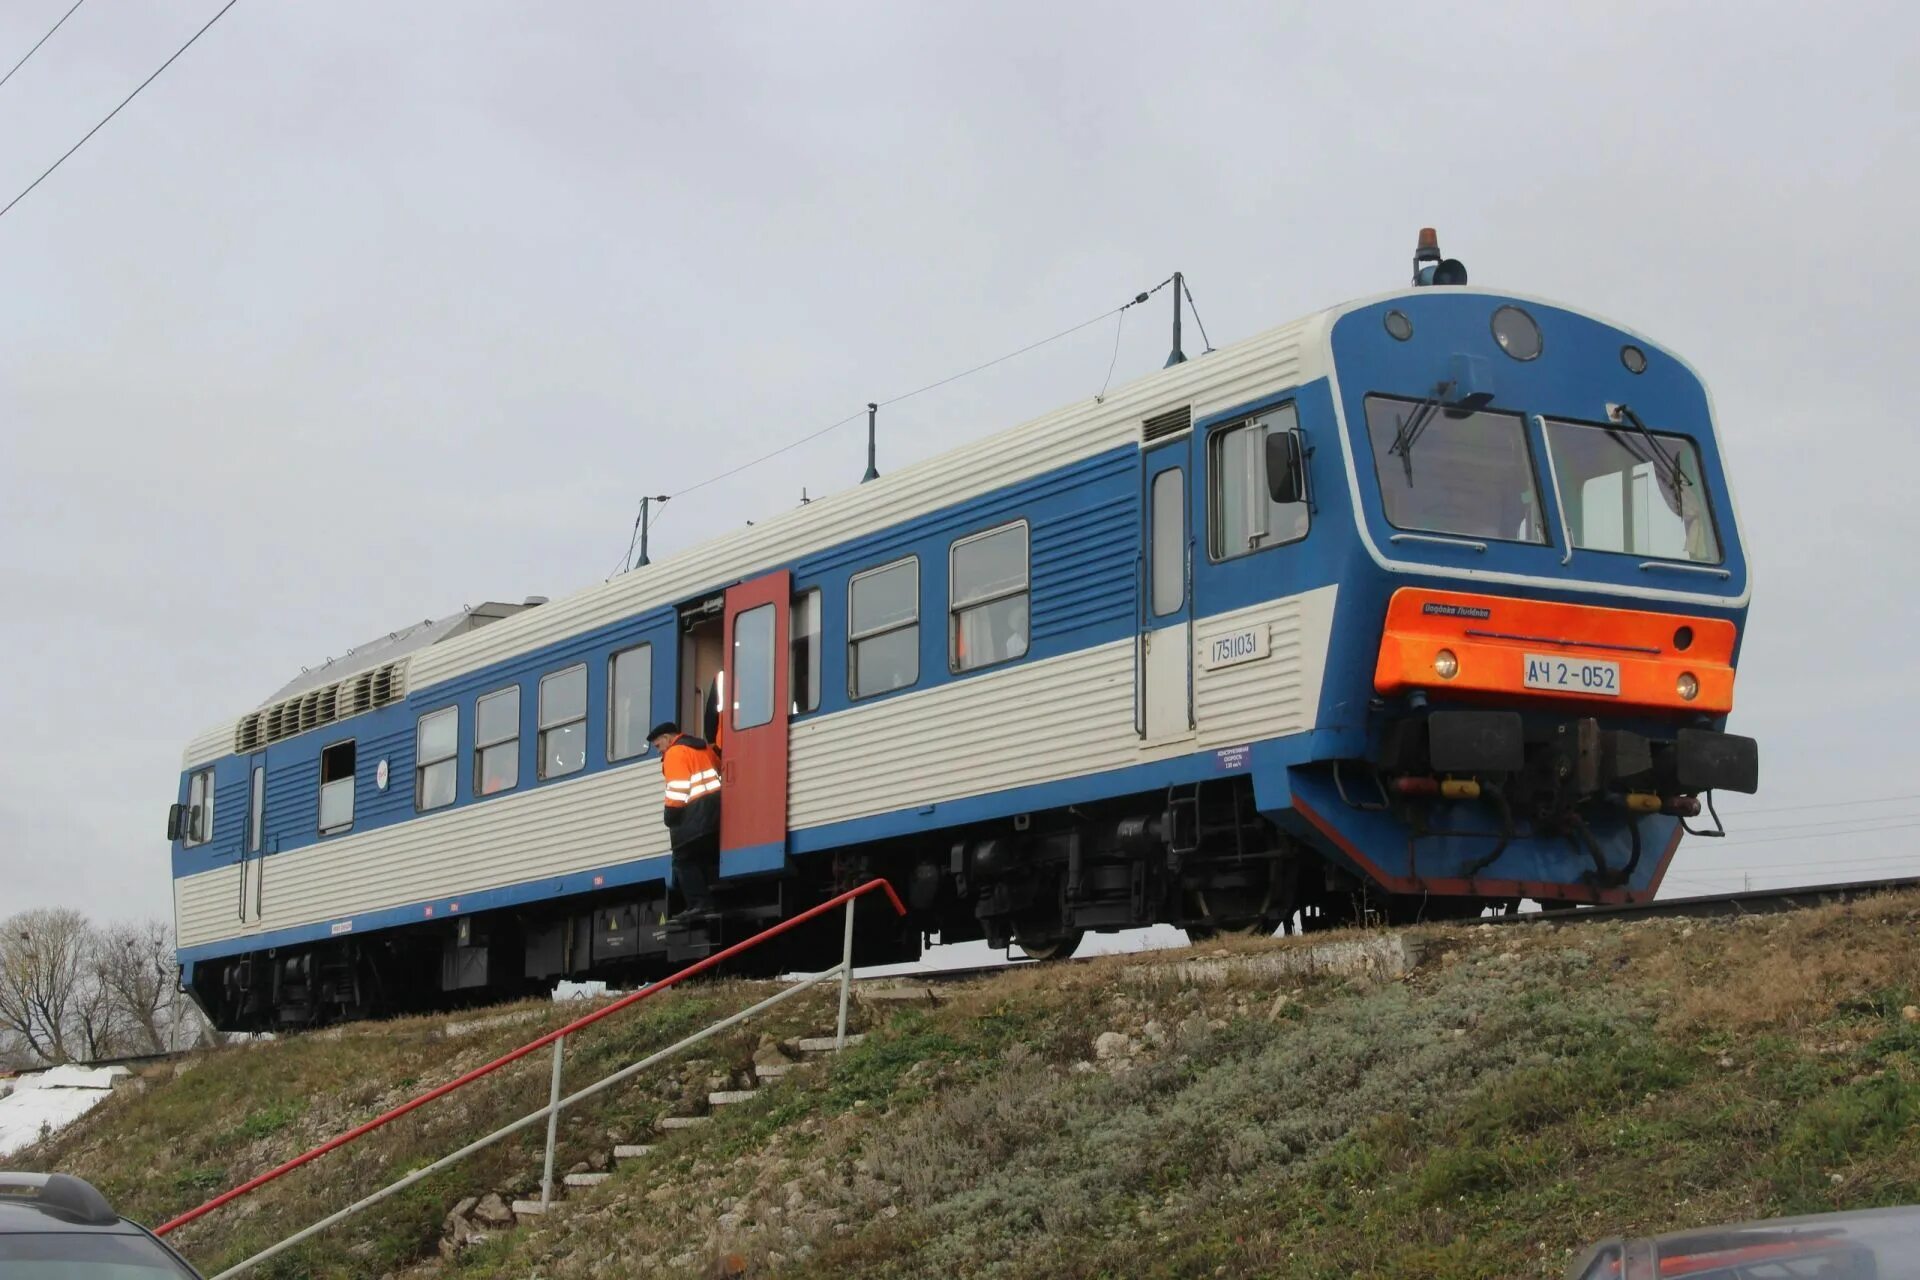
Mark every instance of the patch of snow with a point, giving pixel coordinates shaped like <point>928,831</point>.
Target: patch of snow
<point>49,1100</point>
<point>71,1077</point>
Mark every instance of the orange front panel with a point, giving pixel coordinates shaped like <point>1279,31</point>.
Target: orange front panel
<point>1492,636</point>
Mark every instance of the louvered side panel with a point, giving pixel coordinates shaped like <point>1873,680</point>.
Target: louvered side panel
<point>396,748</point>
<point>206,907</point>
<point>209,745</point>
<point>1034,723</point>
<point>1271,696</point>
<point>597,821</point>
<point>1082,569</point>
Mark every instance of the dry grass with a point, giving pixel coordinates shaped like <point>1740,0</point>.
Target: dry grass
<point>1521,1092</point>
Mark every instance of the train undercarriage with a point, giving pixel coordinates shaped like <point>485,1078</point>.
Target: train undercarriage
<point>1199,856</point>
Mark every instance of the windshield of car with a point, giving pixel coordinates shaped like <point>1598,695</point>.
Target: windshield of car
<point>73,1255</point>
<point>1619,495</point>
<point>1468,474</point>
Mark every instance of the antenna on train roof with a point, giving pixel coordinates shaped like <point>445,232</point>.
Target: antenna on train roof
<point>1179,290</point>
<point>646,504</point>
<point>873,472</point>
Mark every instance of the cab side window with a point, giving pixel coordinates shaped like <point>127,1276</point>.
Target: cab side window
<point>1242,515</point>
<point>199,809</point>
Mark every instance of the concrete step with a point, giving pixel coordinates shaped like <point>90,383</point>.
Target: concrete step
<point>673,1123</point>
<point>727,1097</point>
<point>586,1179</point>
<point>529,1208</point>
<point>631,1151</point>
<point>826,1044</point>
<point>771,1070</point>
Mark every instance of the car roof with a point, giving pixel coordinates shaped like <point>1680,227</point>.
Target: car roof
<point>55,1202</point>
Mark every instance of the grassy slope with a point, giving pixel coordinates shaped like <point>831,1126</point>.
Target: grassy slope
<point>1523,1092</point>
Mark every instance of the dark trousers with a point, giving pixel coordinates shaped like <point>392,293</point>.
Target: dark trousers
<point>696,865</point>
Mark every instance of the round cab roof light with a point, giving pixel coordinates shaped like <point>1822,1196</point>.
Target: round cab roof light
<point>1634,358</point>
<point>1687,686</point>
<point>1398,326</point>
<point>1445,664</point>
<point>1516,333</point>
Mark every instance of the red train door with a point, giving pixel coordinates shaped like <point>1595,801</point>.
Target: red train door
<point>753,735</point>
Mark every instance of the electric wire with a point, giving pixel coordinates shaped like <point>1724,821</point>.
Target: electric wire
<point>1810,827</point>
<point>1119,324</point>
<point>905,395</point>
<point>116,111</point>
<point>1031,346</point>
<point>37,43</point>
<point>1828,804</point>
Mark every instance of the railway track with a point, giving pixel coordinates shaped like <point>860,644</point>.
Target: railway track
<point>1749,902</point>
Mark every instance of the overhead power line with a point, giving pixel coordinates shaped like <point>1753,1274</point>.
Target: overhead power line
<point>37,43</point>
<point>1826,804</point>
<point>855,416</point>
<point>116,111</point>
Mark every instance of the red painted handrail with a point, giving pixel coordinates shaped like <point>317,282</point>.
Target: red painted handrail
<point>699,966</point>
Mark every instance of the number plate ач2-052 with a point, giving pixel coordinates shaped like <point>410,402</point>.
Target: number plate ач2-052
<point>1573,675</point>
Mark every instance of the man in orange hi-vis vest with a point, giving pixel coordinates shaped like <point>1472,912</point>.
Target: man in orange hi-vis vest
<point>692,774</point>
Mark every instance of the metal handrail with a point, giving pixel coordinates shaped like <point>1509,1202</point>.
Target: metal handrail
<point>844,971</point>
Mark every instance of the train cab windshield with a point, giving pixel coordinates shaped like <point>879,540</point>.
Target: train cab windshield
<point>1632,492</point>
<point>1470,474</point>
<point>1444,471</point>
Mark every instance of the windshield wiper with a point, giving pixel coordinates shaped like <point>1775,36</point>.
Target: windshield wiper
<point>1666,465</point>
<point>1410,428</point>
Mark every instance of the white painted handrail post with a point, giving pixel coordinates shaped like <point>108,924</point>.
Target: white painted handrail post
<point>553,1122</point>
<point>846,979</point>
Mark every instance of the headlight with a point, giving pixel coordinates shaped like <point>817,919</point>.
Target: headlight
<point>1687,686</point>
<point>1445,665</point>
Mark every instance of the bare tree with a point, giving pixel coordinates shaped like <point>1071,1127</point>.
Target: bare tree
<point>135,969</point>
<point>45,976</point>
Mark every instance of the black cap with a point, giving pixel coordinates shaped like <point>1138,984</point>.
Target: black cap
<point>665,726</point>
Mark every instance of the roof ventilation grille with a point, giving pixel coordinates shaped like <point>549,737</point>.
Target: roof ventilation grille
<point>1162,425</point>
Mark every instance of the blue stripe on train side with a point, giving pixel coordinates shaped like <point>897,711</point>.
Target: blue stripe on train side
<point>1082,547</point>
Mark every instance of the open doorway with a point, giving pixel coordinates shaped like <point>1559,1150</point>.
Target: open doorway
<point>702,653</point>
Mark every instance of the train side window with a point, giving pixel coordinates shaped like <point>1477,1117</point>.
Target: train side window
<point>257,809</point>
<point>563,722</point>
<point>630,702</point>
<point>436,747</point>
<point>336,788</point>
<point>1242,515</point>
<point>803,652</point>
<point>987,598</point>
<point>199,808</point>
<point>753,660</point>
<point>496,742</point>
<point>883,628</point>
<point>1169,541</point>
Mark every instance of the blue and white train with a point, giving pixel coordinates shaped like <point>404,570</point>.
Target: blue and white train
<point>1419,605</point>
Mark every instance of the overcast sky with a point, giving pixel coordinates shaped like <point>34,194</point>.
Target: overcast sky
<point>365,311</point>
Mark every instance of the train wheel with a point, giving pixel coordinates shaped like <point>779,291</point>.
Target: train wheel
<point>1050,947</point>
